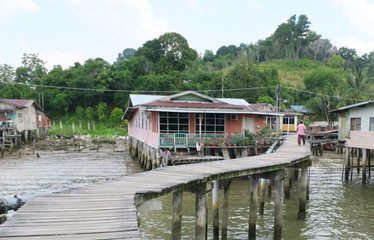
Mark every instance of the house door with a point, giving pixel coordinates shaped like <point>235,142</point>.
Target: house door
<point>249,124</point>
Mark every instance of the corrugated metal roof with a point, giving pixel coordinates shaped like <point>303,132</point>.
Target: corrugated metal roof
<point>299,108</point>
<point>193,105</point>
<point>22,103</point>
<point>205,110</point>
<point>234,101</point>
<point>353,105</point>
<point>138,99</point>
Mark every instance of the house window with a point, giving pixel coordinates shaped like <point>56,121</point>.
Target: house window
<point>20,119</point>
<point>371,126</point>
<point>355,124</point>
<point>211,123</point>
<point>171,122</point>
<point>289,120</point>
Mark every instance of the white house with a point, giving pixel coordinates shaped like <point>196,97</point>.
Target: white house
<point>356,117</point>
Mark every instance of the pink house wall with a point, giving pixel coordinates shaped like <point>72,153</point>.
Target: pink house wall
<point>141,127</point>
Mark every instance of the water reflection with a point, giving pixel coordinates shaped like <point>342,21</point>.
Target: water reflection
<point>29,175</point>
<point>336,210</point>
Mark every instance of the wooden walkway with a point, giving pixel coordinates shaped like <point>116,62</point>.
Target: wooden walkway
<point>108,210</point>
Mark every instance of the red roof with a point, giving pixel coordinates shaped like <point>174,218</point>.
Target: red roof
<point>22,103</point>
<point>195,105</point>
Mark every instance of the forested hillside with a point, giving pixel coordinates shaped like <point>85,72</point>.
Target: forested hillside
<point>294,64</point>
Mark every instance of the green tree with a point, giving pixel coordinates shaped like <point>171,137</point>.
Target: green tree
<point>101,111</point>
<point>116,117</point>
<point>62,102</point>
<point>90,113</point>
<point>266,99</point>
<point>7,73</point>
<point>177,54</point>
<point>80,112</point>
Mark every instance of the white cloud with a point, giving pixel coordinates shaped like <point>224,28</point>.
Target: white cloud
<point>8,7</point>
<point>150,25</point>
<point>66,59</point>
<point>361,47</point>
<point>360,13</point>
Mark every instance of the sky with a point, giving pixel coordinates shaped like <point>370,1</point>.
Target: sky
<point>63,32</point>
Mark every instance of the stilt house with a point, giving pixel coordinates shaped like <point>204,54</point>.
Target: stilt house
<point>181,120</point>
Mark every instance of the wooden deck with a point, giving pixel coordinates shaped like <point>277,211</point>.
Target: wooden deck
<point>107,210</point>
<point>359,139</point>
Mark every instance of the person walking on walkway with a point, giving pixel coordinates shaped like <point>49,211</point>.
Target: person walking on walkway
<point>301,132</point>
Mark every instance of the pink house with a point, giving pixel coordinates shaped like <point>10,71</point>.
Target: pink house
<point>183,119</point>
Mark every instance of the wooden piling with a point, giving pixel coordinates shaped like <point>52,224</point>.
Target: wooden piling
<point>364,164</point>
<point>278,208</point>
<point>201,211</point>
<point>347,163</point>
<point>263,186</point>
<point>286,185</point>
<point>303,193</point>
<point>176,232</point>
<point>253,208</point>
<point>225,207</point>
<point>215,210</point>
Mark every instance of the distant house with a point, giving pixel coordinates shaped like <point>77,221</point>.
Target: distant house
<point>306,113</point>
<point>160,120</point>
<point>322,126</point>
<point>23,115</point>
<point>357,117</point>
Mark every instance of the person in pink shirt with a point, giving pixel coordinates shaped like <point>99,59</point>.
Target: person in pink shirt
<point>301,132</point>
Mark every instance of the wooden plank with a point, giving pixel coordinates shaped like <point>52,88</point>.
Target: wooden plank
<point>106,210</point>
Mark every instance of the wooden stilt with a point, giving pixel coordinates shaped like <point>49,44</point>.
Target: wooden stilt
<point>215,210</point>
<point>176,232</point>
<point>346,163</point>
<point>278,200</point>
<point>303,193</point>
<point>201,210</point>
<point>287,183</point>
<point>364,163</point>
<point>263,186</point>
<point>225,208</point>
<point>253,202</point>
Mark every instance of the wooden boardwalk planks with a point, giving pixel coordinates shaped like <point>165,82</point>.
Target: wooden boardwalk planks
<point>107,210</point>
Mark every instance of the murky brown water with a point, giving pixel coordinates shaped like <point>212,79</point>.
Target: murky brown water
<point>56,171</point>
<point>336,210</point>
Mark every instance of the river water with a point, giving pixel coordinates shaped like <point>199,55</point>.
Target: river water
<point>336,210</point>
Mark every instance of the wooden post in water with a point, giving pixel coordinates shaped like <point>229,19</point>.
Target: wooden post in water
<point>303,192</point>
<point>263,186</point>
<point>176,232</point>
<point>215,210</point>
<point>346,163</point>
<point>287,180</point>
<point>364,163</point>
<point>278,201</point>
<point>253,202</point>
<point>225,207</point>
<point>201,210</point>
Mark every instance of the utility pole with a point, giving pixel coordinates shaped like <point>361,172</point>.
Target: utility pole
<point>222,86</point>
